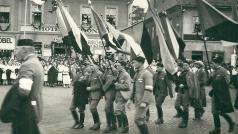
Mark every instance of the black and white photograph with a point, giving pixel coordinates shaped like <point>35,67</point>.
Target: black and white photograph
<point>119,66</point>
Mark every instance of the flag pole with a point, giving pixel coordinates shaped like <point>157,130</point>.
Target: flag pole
<point>109,63</point>
<point>24,32</point>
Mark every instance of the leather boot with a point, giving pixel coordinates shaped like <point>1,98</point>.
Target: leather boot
<point>184,122</point>
<point>108,127</point>
<point>81,120</point>
<point>143,129</point>
<point>125,127</point>
<point>96,120</point>
<point>119,120</point>
<point>179,113</point>
<point>76,119</point>
<point>229,121</point>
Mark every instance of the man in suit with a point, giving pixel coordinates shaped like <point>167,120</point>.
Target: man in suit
<point>30,80</point>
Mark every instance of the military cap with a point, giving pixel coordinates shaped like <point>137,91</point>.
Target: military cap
<point>25,42</point>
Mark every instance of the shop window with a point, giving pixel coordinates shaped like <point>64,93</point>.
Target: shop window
<point>4,18</point>
<point>4,14</point>
<point>196,24</point>
<point>197,55</point>
<point>221,54</point>
<point>86,17</point>
<point>36,16</point>
<point>111,15</point>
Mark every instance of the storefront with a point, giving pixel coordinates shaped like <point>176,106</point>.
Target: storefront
<point>7,45</point>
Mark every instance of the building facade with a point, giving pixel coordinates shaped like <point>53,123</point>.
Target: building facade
<point>40,23</point>
<point>184,17</point>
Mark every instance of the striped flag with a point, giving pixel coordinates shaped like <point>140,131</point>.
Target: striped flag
<point>167,50</point>
<point>105,32</point>
<point>215,24</point>
<point>70,31</point>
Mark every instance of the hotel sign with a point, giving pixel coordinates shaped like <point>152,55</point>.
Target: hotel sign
<point>7,43</point>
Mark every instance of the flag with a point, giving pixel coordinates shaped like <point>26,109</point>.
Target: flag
<point>167,57</point>
<point>215,24</point>
<point>105,33</point>
<point>39,2</point>
<point>146,45</point>
<point>71,33</point>
<point>234,10</point>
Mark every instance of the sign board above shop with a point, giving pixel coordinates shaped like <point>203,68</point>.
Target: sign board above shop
<point>7,42</point>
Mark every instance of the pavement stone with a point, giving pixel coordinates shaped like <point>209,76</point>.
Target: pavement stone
<point>57,118</point>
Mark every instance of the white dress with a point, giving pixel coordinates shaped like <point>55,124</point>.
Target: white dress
<point>13,73</point>
<point>4,75</point>
<point>60,69</point>
<point>66,77</point>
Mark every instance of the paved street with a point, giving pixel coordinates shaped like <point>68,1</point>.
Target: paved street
<point>57,118</point>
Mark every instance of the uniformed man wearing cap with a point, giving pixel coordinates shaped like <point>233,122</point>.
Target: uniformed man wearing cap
<point>142,93</point>
<point>187,87</point>
<point>123,93</point>
<point>30,80</point>
<point>221,100</point>
<point>109,77</point>
<point>95,93</point>
<point>162,88</point>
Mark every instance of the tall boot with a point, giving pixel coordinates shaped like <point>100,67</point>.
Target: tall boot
<point>81,120</point>
<point>184,122</point>
<point>179,112</point>
<point>119,120</point>
<point>147,115</point>
<point>229,120</point>
<point>113,121</point>
<point>197,114</point>
<point>76,119</point>
<point>160,115</point>
<point>143,129</point>
<point>125,124</point>
<point>108,119</point>
<point>96,120</point>
<point>217,124</point>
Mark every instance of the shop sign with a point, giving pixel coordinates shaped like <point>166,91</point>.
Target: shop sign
<point>95,43</point>
<point>49,28</point>
<point>7,43</point>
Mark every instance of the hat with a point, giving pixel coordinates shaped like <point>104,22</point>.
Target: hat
<point>140,59</point>
<point>199,63</point>
<point>25,42</point>
<point>217,59</point>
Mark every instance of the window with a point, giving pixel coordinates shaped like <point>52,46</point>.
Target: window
<point>36,17</point>
<point>221,54</point>
<point>86,17</point>
<point>111,15</point>
<point>4,14</point>
<point>197,55</point>
<point>196,24</point>
<point>196,20</point>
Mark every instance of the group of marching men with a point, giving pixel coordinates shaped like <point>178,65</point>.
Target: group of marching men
<point>91,83</point>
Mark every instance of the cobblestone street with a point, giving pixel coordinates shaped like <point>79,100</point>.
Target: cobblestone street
<point>57,118</point>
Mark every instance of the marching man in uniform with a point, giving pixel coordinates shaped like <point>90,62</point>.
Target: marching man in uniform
<point>123,93</point>
<point>142,95</point>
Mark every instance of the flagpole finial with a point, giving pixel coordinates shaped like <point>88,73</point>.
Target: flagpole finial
<point>89,2</point>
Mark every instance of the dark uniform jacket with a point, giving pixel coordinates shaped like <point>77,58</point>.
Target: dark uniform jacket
<point>162,85</point>
<point>123,85</point>
<point>95,85</point>
<point>202,78</point>
<point>220,91</point>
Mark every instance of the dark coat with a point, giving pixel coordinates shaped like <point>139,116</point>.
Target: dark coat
<point>220,91</point>
<point>52,75</point>
<point>236,101</point>
<point>80,93</point>
<point>10,105</point>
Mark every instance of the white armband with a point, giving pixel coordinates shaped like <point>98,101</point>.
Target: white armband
<point>25,83</point>
<point>149,87</point>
